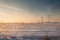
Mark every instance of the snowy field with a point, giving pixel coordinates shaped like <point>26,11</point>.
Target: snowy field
<point>36,29</point>
<point>29,31</point>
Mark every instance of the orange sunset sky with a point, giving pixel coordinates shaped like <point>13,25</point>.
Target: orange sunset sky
<point>29,11</point>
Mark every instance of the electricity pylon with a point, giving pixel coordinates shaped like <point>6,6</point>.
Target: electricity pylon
<point>42,19</point>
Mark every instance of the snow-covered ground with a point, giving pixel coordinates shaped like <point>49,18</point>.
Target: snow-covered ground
<point>38,29</point>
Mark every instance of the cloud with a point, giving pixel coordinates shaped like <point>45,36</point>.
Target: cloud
<point>11,7</point>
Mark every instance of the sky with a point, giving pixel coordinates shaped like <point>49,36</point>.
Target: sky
<point>29,10</point>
